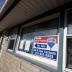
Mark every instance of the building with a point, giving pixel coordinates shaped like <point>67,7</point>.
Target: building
<point>35,36</point>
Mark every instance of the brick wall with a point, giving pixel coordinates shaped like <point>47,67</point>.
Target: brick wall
<point>11,63</point>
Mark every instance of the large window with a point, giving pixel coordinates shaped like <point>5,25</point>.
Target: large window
<point>42,29</point>
<point>27,46</point>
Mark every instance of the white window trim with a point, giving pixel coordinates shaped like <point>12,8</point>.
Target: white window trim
<point>64,43</point>
<point>3,6</point>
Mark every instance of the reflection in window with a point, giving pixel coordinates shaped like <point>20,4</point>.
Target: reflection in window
<point>69,22</point>
<point>25,45</point>
<point>13,37</point>
<point>11,44</point>
<point>69,40</point>
<point>27,38</point>
<point>22,45</point>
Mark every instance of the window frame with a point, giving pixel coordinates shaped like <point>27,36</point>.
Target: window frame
<point>27,57</point>
<point>13,38</point>
<point>11,50</point>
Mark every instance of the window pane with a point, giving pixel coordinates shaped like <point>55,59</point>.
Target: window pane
<point>13,33</point>
<point>29,33</point>
<point>46,32</point>
<point>69,22</point>
<point>27,46</point>
<point>69,17</point>
<point>69,53</point>
<point>69,29</point>
<point>11,44</point>
<point>22,45</point>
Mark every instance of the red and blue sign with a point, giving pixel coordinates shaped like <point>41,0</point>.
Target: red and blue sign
<point>46,46</point>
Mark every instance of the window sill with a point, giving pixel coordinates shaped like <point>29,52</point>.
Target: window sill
<point>9,50</point>
<point>46,63</point>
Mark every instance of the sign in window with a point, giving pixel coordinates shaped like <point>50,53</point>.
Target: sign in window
<point>46,46</point>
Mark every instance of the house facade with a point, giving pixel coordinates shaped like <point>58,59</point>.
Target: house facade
<point>36,36</point>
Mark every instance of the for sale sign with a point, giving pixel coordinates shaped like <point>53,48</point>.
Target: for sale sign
<point>46,46</point>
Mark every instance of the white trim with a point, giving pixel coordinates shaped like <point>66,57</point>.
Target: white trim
<point>10,50</point>
<point>3,6</point>
<point>64,43</point>
<point>69,35</point>
<point>18,42</point>
<point>1,46</point>
<point>68,70</point>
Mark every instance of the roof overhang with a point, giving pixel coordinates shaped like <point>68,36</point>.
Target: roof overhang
<point>26,10</point>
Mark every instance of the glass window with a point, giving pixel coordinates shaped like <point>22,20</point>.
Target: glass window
<point>13,36</point>
<point>42,29</point>
<point>40,52</point>
<point>11,44</point>
<point>69,40</point>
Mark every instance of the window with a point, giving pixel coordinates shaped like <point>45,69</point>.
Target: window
<point>11,44</point>
<point>26,45</point>
<point>69,22</point>
<point>12,39</point>
<point>42,29</point>
<point>69,40</point>
<point>69,52</point>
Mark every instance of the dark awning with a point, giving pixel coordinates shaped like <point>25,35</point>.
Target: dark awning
<point>27,9</point>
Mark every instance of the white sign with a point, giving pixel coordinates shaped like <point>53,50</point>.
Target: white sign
<point>21,44</point>
<point>27,45</point>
